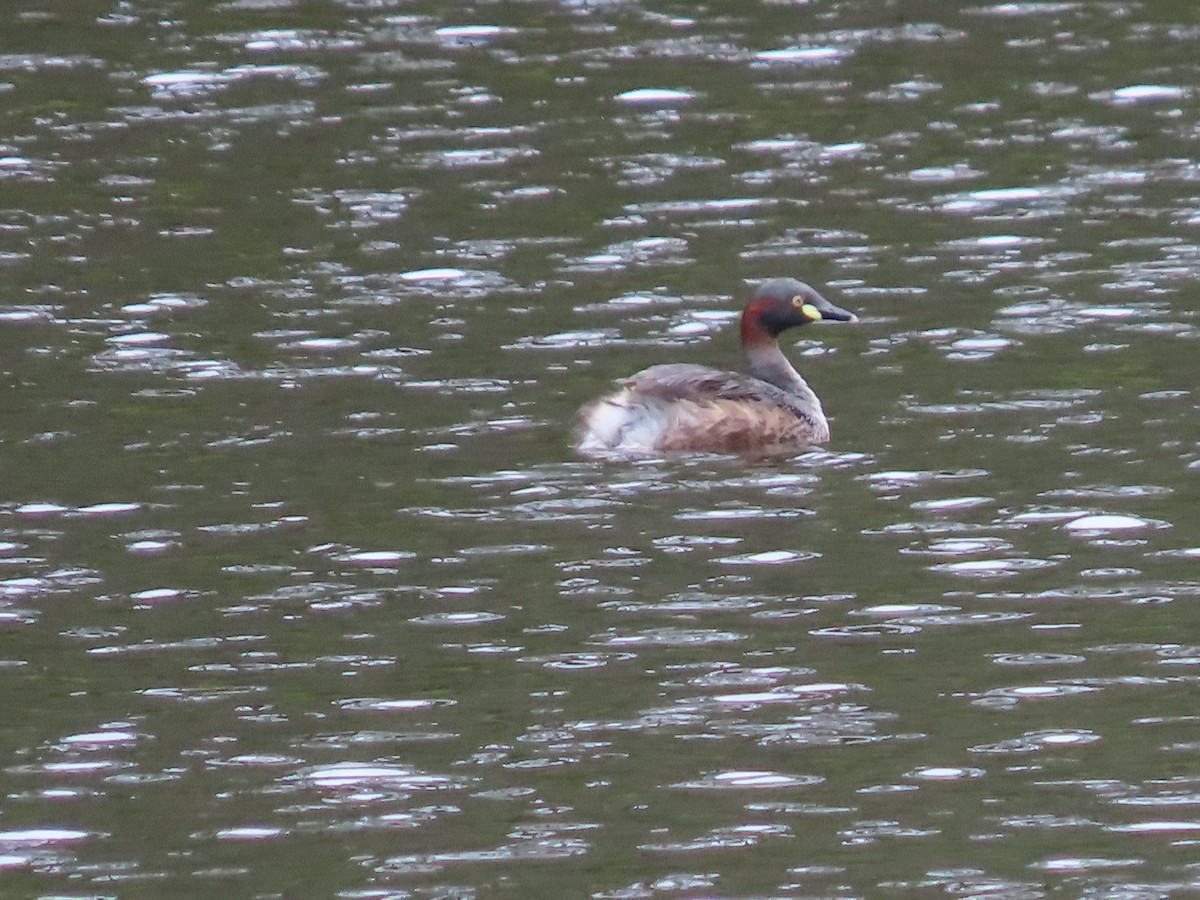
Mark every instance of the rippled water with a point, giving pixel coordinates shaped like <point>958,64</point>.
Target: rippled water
<point>303,591</point>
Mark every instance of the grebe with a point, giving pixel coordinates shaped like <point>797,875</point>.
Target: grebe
<point>684,407</point>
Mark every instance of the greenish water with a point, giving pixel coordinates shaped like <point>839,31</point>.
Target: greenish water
<point>303,591</point>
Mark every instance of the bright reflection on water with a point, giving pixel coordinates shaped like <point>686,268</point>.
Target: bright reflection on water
<point>304,593</point>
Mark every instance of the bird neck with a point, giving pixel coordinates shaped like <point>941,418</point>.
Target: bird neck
<point>766,362</point>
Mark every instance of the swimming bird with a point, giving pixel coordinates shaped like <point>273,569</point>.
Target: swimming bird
<point>685,407</point>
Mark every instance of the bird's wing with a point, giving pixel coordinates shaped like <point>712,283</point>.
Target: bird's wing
<point>703,384</point>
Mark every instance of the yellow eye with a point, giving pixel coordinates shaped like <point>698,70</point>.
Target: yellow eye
<point>807,310</point>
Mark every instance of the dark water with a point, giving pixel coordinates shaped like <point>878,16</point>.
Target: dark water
<point>304,593</point>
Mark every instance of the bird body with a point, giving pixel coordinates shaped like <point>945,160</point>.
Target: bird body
<point>684,407</point>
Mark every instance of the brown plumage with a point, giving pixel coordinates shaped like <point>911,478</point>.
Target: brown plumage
<point>682,407</point>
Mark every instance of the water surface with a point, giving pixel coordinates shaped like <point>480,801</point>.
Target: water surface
<point>303,590</point>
